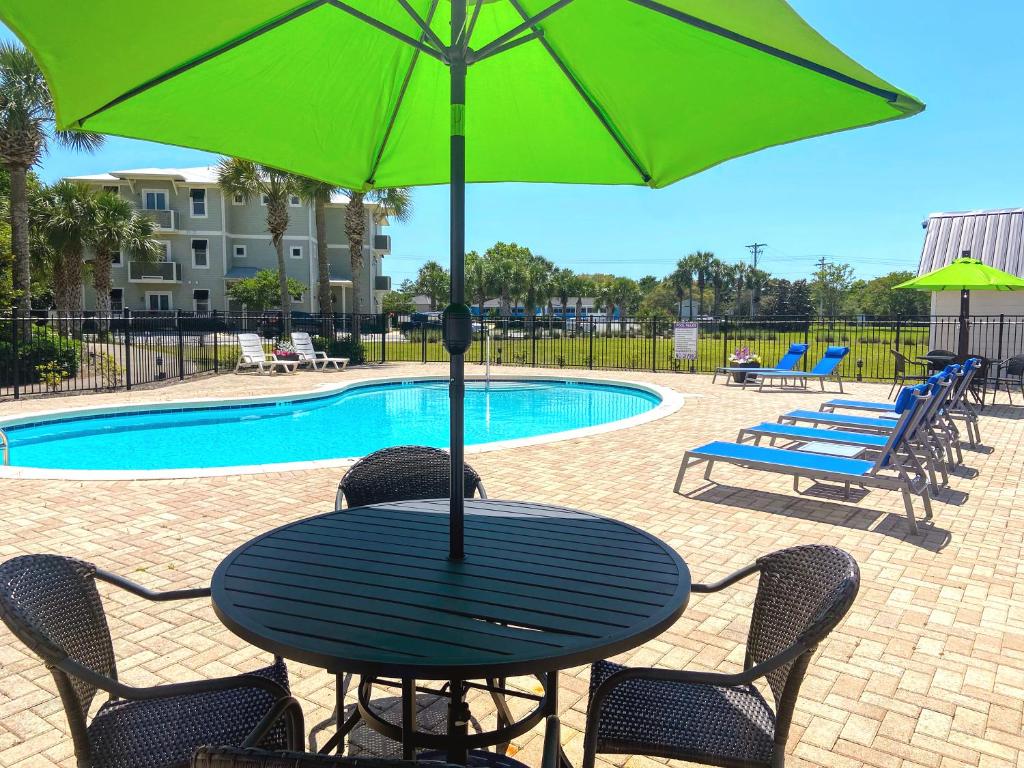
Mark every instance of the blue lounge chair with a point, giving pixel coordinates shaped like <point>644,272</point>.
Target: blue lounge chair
<point>957,408</point>
<point>888,470</point>
<point>932,433</point>
<point>827,367</point>
<point>788,362</point>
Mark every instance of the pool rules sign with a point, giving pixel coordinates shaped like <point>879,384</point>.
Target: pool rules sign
<point>684,341</point>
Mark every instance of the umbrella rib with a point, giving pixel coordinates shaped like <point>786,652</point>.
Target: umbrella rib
<point>399,100</point>
<point>424,24</point>
<point>152,83</point>
<point>588,100</point>
<point>707,26</point>
<point>387,29</point>
<point>528,23</point>
<point>474,58</point>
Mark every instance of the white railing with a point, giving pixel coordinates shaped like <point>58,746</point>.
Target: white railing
<point>5,447</point>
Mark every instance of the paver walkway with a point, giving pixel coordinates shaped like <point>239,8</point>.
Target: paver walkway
<point>928,669</point>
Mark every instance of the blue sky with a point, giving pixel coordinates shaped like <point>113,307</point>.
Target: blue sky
<point>857,197</point>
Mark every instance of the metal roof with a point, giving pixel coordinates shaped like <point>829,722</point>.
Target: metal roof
<point>996,237</point>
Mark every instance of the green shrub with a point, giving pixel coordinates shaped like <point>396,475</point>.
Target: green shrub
<point>45,346</point>
<point>353,350</point>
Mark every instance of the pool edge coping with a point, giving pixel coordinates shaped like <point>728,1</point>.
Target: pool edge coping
<point>671,401</point>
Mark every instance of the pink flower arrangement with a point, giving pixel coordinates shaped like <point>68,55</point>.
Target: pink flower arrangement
<point>743,356</point>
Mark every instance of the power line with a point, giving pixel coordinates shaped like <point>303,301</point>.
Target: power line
<point>755,250</point>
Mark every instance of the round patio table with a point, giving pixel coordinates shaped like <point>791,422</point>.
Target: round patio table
<point>371,590</point>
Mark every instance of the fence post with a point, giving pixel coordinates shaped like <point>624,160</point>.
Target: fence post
<point>591,355</point>
<point>999,345</point>
<point>216,348</point>
<point>654,344</point>
<point>725,342</point>
<point>807,341</point>
<point>181,345</point>
<point>533,341</point>
<point>899,327</point>
<point>423,339</point>
<point>128,349</point>
<point>15,366</point>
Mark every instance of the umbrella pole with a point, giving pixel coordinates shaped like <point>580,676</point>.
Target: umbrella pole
<point>456,384</point>
<point>963,340</point>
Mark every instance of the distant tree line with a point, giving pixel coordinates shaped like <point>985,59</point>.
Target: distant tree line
<point>700,285</point>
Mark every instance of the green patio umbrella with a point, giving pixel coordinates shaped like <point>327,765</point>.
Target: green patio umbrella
<point>368,93</point>
<point>965,275</point>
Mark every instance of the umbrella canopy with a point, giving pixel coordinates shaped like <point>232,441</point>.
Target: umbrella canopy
<point>367,93</point>
<point>965,275</point>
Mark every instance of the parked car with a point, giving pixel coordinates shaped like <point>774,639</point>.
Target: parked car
<point>419,320</point>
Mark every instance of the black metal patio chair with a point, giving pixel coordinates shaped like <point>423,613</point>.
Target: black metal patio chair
<point>1006,370</point>
<point>903,371</point>
<point>723,719</point>
<point>402,473</point>
<point>52,605</point>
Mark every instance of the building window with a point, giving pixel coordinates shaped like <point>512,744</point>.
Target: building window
<point>117,299</point>
<point>200,254</point>
<point>201,300</point>
<point>239,251</point>
<point>116,259</point>
<point>264,198</point>
<point>238,199</point>
<point>159,302</point>
<point>297,298</point>
<point>112,189</point>
<point>294,201</point>
<point>295,251</point>
<point>154,200</point>
<point>198,199</point>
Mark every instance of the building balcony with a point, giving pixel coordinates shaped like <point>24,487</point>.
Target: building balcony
<point>154,272</point>
<point>165,219</point>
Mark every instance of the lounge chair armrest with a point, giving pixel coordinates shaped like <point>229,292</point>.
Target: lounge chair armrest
<point>728,581</point>
<point>320,354</point>
<point>551,757</point>
<point>122,691</point>
<point>287,708</point>
<point>137,589</point>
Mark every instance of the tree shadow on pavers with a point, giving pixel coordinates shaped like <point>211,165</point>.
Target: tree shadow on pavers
<point>363,741</point>
<point>818,506</point>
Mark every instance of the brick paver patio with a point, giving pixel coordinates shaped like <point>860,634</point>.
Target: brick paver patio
<point>927,670</point>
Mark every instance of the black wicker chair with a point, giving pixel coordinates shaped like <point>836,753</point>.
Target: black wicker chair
<point>1013,367</point>
<point>52,605</point>
<point>402,473</point>
<point>722,719</point>
<point>903,370</point>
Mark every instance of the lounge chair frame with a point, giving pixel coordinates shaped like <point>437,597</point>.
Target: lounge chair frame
<point>316,358</point>
<point>253,355</point>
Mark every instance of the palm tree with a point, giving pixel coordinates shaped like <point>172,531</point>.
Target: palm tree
<point>738,274</point>
<point>682,280</point>
<point>318,194</point>
<point>65,214</point>
<point>717,275</point>
<point>581,286</point>
<point>507,266</point>
<point>538,284</point>
<point>702,265</point>
<point>562,283</point>
<point>394,203</point>
<point>247,179</point>
<point>26,126</point>
<point>757,280</point>
<point>478,280</point>
<point>116,227</point>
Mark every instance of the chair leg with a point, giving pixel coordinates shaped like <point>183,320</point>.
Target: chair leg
<point>908,503</point>
<point>682,472</point>
<point>707,472</point>
<point>796,483</point>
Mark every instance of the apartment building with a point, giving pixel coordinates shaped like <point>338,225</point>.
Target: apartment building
<point>211,240</point>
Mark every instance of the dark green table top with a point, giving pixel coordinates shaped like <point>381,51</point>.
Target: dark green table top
<point>371,590</point>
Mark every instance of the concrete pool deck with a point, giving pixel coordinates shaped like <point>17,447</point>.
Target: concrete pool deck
<point>927,670</point>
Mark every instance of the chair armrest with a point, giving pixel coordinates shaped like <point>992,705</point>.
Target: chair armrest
<point>551,757</point>
<point>288,708</point>
<point>728,581</point>
<point>122,691</point>
<point>320,354</point>
<point>141,591</point>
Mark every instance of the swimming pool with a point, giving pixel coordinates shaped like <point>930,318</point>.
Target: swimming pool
<point>183,439</point>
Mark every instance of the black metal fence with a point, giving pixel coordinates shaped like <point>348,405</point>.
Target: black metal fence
<point>41,355</point>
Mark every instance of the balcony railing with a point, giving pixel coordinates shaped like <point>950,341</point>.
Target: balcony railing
<point>154,272</point>
<point>165,219</point>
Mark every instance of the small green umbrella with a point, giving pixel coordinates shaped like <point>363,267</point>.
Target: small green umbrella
<point>965,275</point>
<point>368,93</point>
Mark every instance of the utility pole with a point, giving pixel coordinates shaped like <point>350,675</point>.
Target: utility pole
<point>755,251</point>
<point>821,289</point>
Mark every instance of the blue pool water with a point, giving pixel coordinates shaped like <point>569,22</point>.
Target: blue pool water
<point>341,425</point>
